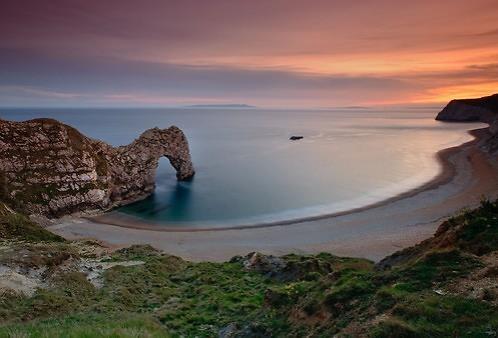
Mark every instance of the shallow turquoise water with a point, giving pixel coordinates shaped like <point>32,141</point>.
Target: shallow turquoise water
<point>248,171</point>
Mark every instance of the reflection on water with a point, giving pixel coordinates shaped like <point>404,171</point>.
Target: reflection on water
<point>248,171</point>
<point>172,203</point>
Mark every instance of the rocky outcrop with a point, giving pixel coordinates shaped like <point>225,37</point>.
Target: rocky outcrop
<point>484,109</point>
<point>285,268</point>
<point>49,168</point>
<point>296,138</point>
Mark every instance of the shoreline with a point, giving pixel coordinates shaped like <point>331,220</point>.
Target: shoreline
<point>445,175</point>
<point>371,232</point>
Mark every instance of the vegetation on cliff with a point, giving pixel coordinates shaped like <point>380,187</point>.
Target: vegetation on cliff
<point>445,286</point>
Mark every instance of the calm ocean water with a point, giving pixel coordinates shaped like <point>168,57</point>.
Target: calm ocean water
<point>248,171</point>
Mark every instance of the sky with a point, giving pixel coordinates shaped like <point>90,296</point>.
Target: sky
<point>271,53</point>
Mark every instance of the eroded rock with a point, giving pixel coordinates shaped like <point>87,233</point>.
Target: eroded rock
<point>49,168</point>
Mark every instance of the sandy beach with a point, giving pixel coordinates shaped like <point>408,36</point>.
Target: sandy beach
<point>372,232</point>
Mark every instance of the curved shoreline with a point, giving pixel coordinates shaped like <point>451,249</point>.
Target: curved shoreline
<point>446,174</point>
<point>371,233</point>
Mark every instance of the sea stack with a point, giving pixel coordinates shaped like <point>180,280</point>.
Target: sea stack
<point>49,168</point>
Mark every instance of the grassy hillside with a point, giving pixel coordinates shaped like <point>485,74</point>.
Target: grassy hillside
<point>16,226</point>
<point>489,102</point>
<point>446,286</point>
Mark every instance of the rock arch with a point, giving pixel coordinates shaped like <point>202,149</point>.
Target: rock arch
<point>50,168</point>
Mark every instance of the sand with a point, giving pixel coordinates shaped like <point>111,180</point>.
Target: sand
<point>372,232</point>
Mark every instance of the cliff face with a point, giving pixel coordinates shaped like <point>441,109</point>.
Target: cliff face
<point>49,168</point>
<point>484,109</point>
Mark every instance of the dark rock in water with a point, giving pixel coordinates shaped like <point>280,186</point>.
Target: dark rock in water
<point>484,109</point>
<point>266,264</point>
<point>49,168</point>
<point>295,138</point>
<point>229,331</point>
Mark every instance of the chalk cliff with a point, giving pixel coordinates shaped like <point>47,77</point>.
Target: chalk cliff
<point>484,109</point>
<point>49,168</point>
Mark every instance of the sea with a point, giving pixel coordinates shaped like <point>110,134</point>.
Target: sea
<point>248,172</point>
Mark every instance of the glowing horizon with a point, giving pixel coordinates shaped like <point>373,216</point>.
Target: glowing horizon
<point>262,53</point>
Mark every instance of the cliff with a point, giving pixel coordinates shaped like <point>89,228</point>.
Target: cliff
<point>484,109</point>
<point>49,168</point>
<point>447,286</point>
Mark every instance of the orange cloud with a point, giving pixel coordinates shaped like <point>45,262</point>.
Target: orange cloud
<point>265,52</point>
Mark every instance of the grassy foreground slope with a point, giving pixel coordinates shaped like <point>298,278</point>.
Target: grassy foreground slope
<point>446,286</point>
<point>16,226</point>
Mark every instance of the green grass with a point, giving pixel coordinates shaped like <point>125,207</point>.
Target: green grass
<point>351,286</point>
<point>168,296</point>
<point>183,298</point>
<point>436,267</point>
<point>130,325</point>
<point>312,295</point>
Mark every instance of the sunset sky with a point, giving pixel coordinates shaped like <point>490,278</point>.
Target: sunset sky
<point>279,53</point>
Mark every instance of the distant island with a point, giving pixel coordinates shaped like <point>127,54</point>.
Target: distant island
<point>229,105</point>
<point>353,107</point>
